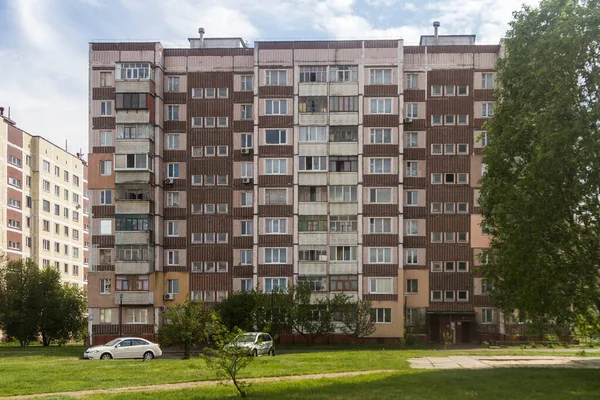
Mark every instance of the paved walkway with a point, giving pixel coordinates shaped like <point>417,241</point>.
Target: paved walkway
<point>473,362</point>
<point>188,385</point>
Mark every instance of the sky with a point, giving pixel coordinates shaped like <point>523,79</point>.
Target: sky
<point>44,44</point>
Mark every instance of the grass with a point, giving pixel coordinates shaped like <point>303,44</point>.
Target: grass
<point>491,384</point>
<point>58,369</point>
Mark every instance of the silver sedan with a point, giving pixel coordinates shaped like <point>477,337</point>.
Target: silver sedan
<point>127,347</point>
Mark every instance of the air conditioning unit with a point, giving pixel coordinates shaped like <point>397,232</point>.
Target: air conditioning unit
<point>246,150</point>
<point>246,180</point>
<point>169,296</point>
<point>168,181</point>
<point>408,120</point>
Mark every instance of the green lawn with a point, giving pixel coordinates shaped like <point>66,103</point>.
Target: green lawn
<point>54,369</point>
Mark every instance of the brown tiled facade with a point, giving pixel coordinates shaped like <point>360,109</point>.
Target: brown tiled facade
<point>354,164</point>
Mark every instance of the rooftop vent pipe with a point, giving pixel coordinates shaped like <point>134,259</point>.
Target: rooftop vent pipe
<point>436,25</point>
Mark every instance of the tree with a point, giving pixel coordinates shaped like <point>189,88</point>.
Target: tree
<point>539,196</point>
<point>356,319</point>
<point>187,324</point>
<point>237,310</point>
<point>20,300</point>
<point>62,308</point>
<point>226,359</point>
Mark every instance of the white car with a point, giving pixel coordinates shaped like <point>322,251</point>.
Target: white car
<point>127,347</point>
<point>256,343</point>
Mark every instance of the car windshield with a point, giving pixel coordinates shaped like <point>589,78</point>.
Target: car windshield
<point>113,342</point>
<point>246,337</point>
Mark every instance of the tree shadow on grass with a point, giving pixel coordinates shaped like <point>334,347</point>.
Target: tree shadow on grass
<point>40,351</point>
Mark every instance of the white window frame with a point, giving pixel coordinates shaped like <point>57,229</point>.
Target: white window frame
<point>411,227</point>
<point>381,106</point>
<point>381,76</point>
<point>377,192</point>
<point>275,77</point>
<point>412,198</point>
<point>277,255</point>
<point>275,226</point>
<point>380,136</point>
<point>412,110</point>
<point>380,255</point>
<point>172,228</point>
<point>106,108</point>
<point>276,107</point>
<point>380,166</point>
<point>411,257</point>
<point>380,225</point>
<point>381,285</point>
<point>275,166</point>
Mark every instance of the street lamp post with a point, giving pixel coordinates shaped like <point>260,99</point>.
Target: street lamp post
<point>120,314</point>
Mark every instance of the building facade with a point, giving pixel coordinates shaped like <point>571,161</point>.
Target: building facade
<point>44,203</point>
<point>353,165</point>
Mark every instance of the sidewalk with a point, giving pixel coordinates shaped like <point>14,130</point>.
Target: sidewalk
<point>474,362</point>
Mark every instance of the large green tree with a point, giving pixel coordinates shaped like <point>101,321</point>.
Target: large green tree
<point>541,194</point>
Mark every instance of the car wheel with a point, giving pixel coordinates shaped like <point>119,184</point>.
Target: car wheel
<point>148,355</point>
<point>255,353</point>
<point>272,352</point>
<point>105,356</point>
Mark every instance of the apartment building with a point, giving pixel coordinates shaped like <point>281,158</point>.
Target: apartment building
<point>352,165</point>
<point>44,204</point>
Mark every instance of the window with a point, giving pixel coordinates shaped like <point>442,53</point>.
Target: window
<point>412,81</point>
<point>222,93</point>
<point>312,104</point>
<point>209,122</point>
<point>105,167</point>
<point>343,253</point>
<point>436,120</point>
<point>275,226</point>
<point>246,199</point>
<point>104,79</point>
<point>463,237</point>
<point>449,120</point>
<point>130,71</point>
<point>412,286</point>
<point>462,266</point>
<point>47,225</point>
<point>197,93</point>
<point>14,224</point>
<point>246,257</point>
<point>56,209</point>
<point>209,93</point>
<point>463,90</point>
<point>105,286</point>
<point>275,78</point>
<point>343,104</point>
<point>462,148</point>
<point>343,134</point>
<point>275,107</point>
<point>46,186</point>
<point>75,234</point>
<point>463,119</point>
<point>343,73</point>
<point>313,74</point>
<point>17,204</point>
<point>381,106</point>
<point>449,266</point>
<point>381,136</point>
<point>172,142</point>
<point>412,227</point>
<point>209,151</point>
<point>14,160</point>
<point>412,110</point>
<point>449,208</point>
<point>105,316</point>
<point>380,255</point>
<point>275,196</point>
<point>275,136</point>
<point>450,90</point>
<point>449,295</point>
<point>449,178</point>
<point>46,244</point>
<point>209,180</point>
<point>343,223</point>
<point>312,253</point>
<point>209,238</point>
<point>380,285</point>
<point>486,286</point>
<point>486,110</point>
<point>246,170</point>
<point>412,198</point>
<point>315,283</point>
<point>312,193</point>
<point>75,198</point>
<point>172,228</point>
<point>276,166</point>
<point>173,170</point>
<point>275,256</point>
<point>380,195</point>
<point>130,101</point>
<point>343,194</point>
<point>380,225</point>
<point>137,316</point>
<point>172,113</point>
<point>436,90</point>
<point>246,83</point>
<point>436,237</point>
<point>381,315</point>
<point>449,237</point>
<point>172,199</point>
<point>105,227</point>
<point>222,208</point>
<point>483,169</point>
<point>487,81</point>
<point>28,180</point>
<point>222,122</point>
<point>315,164</point>
<point>14,245</point>
<point>487,316</point>
<point>412,168</point>
<point>46,166</point>
<point>272,284</point>
<point>173,286</point>
<point>246,228</point>
<point>17,182</point>
<point>380,166</point>
<point>105,108</point>
<point>313,134</point>
<point>463,178</point>
<point>462,208</point>
<point>436,295</point>
<point>342,163</point>
<point>341,283</point>
<point>247,111</point>
<point>412,257</point>
<point>381,77</point>
<point>412,140</point>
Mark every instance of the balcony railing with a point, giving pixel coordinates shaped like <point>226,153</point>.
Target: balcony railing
<point>134,298</point>
<point>134,267</point>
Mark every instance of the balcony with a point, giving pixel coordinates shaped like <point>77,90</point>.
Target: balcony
<point>343,178</point>
<point>312,89</point>
<point>134,298</point>
<point>313,208</point>
<point>312,178</point>
<point>130,146</point>
<point>133,237</point>
<point>133,117</point>
<point>134,86</point>
<point>343,148</point>
<point>134,176</point>
<point>134,267</point>
<point>133,207</point>
<point>135,132</point>
<point>312,238</point>
<point>341,118</point>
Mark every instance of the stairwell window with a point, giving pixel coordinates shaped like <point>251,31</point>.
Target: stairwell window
<point>380,225</point>
<point>380,285</point>
<point>173,228</point>
<point>380,166</point>
<point>275,136</point>
<point>487,110</point>
<point>381,106</point>
<point>275,78</point>
<point>275,107</point>
<point>105,108</point>
<point>276,166</point>
<point>487,81</point>
<point>412,81</point>
<point>380,255</point>
<point>173,84</point>
<point>173,170</point>
<point>381,77</point>
<point>172,113</point>
<point>380,136</point>
<point>275,256</point>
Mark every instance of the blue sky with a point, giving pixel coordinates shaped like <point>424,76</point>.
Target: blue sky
<point>44,43</point>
